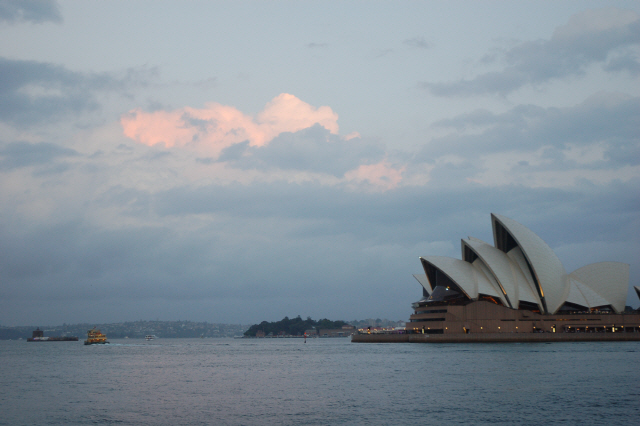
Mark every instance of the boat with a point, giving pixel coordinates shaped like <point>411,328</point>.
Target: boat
<point>38,336</point>
<point>149,337</point>
<point>95,337</point>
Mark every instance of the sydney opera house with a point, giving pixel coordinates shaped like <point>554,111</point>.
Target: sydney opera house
<point>518,285</point>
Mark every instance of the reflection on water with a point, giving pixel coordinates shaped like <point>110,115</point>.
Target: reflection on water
<point>322,382</point>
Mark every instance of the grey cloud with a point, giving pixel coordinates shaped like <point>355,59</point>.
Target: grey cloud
<point>518,116</point>
<point>205,160</point>
<point>537,62</point>
<point>418,42</point>
<point>24,154</point>
<point>234,152</point>
<point>607,118</point>
<point>198,123</point>
<point>32,91</point>
<point>56,90</point>
<point>156,155</point>
<point>313,149</point>
<point>236,246</point>
<point>383,52</point>
<point>407,214</point>
<point>286,240</point>
<point>494,82</point>
<point>55,253</point>
<point>624,153</point>
<point>130,201</point>
<point>36,11</point>
<point>627,62</point>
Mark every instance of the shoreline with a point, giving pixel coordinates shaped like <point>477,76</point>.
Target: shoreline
<point>496,338</point>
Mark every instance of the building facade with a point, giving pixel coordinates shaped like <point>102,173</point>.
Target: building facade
<point>519,285</point>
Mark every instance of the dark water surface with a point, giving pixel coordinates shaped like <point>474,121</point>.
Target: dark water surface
<point>322,382</point>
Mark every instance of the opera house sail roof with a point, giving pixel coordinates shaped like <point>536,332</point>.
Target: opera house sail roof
<point>520,271</point>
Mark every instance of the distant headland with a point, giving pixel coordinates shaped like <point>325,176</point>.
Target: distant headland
<point>297,327</point>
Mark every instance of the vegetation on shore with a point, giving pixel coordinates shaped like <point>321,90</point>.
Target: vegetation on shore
<point>293,327</point>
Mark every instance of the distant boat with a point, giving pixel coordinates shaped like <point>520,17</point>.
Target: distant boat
<point>38,336</point>
<point>149,337</point>
<point>95,337</point>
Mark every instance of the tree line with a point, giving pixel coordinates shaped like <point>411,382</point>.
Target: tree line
<point>292,326</point>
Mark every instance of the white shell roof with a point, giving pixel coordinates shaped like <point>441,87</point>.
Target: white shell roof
<point>598,284</point>
<point>517,257</point>
<point>575,296</point>
<point>424,282</point>
<point>483,270</point>
<point>546,266</point>
<point>607,279</point>
<point>470,280</point>
<point>590,297</point>
<point>507,273</point>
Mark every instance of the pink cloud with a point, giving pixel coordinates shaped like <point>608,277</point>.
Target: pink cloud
<point>286,113</point>
<point>352,135</point>
<point>217,126</point>
<point>381,175</point>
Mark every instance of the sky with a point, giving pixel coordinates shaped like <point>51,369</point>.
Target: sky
<point>241,161</point>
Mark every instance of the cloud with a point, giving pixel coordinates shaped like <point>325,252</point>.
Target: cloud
<point>625,62</point>
<point>380,176</point>
<point>32,92</point>
<point>217,126</point>
<point>316,45</point>
<point>609,118</point>
<point>417,42</point>
<point>36,11</point>
<point>597,140</point>
<point>313,149</point>
<point>287,135</point>
<point>227,244</point>
<point>590,37</point>
<point>131,228</point>
<point>24,154</point>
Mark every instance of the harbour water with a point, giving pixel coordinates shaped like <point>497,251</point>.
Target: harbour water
<point>321,382</point>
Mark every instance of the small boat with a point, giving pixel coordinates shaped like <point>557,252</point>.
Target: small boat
<point>95,337</point>
<point>149,337</point>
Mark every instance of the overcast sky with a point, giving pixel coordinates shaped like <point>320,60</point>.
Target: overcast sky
<point>239,161</point>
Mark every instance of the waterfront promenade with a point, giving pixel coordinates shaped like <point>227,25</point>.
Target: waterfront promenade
<point>495,337</point>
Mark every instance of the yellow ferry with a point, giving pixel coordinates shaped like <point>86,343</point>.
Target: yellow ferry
<point>95,337</point>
